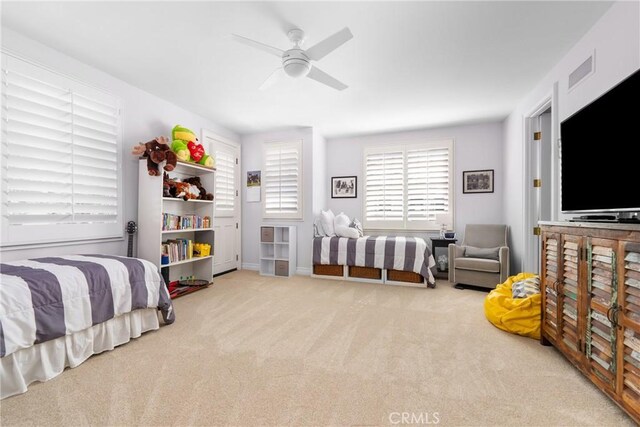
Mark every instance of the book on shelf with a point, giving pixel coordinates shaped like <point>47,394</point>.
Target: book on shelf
<point>171,222</point>
<point>184,249</point>
<point>178,249</point>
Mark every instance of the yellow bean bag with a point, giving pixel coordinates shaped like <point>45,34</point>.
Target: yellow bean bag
<point>519,316</point>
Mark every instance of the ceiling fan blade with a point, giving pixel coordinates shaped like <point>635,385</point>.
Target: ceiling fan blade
<point>328,45</point>
<point>317,74</point>
<point>264,47</point>
<point>274,78</point>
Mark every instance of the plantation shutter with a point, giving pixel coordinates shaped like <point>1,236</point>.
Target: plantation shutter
<point>225,183</point>
<point>384,186</point>
<point>427,183</point>
<point>407,184</point>
<point>60,164</point>
<point>282,180</point>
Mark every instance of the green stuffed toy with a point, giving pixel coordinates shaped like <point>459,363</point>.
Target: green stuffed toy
<point>179,147</point>
<point>187,147</point>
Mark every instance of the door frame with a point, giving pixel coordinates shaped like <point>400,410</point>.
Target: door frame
<point>213,135</point>
<point>529,211</point>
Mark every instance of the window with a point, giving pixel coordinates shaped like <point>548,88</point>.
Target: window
<point>406,185</point>
<point>282,180</point>
<point>60,162</point>
<point>225,199</point>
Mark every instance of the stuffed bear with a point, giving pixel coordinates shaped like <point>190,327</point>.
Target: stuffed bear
<point>156,152</point>
<point>196,182</point>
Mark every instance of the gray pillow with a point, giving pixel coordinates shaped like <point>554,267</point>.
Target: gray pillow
<point>487,253</point>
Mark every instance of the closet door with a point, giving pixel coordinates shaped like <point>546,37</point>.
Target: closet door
<point>550,277</point>
<point>602,297</point>
<point>569,326</point>
<point>629,321</point>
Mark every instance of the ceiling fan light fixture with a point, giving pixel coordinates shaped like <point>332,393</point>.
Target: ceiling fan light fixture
<point>297,68</point>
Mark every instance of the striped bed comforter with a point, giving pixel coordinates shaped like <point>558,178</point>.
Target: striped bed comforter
<point>389,252</point>
<point>45,298</point>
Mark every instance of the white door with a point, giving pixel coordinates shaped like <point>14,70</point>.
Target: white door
<point>226,202</point>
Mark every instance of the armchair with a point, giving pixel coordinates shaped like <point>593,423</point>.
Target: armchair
<point>482,259</point>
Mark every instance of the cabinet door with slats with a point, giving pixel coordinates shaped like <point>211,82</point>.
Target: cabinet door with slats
<point>568,301</point>
<point>629,318</point>
<point>550,268</point>
<point>602,296</point>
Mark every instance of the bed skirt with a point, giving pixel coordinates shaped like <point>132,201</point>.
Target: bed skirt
<point>48,359</point>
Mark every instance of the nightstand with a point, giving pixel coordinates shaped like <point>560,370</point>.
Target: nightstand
<point>441,244</point>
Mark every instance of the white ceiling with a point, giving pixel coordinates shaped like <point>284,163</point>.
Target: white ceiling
<point>410,64</point>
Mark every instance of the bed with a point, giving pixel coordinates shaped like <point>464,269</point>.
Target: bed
<point>56,312</point>
<point>383,259</point>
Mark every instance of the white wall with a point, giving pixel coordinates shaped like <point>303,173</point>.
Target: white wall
<point>616,41</point>
<point>144,116</point>
<point>320,178</point>
<point>252,212</point>
<point>476,146</point>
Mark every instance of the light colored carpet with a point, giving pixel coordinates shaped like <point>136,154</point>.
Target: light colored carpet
<point>253,351</point>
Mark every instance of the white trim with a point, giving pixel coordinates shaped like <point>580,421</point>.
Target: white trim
<point>250,266</point>
<point>303,271</point>
<point>550,100</point>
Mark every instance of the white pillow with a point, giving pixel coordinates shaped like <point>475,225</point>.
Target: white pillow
<point>341,219</point>
<point>341,226</point>
<point>358,226</point>
<point>346,231</point>
<point>326,219</point>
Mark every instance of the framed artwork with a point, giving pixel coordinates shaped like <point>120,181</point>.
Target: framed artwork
<point>480,181</point>
<point>344,187</point>
<point>253,179</point>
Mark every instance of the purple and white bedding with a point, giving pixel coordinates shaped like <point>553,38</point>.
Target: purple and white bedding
<point>43,299</point>
<point>389,252</point>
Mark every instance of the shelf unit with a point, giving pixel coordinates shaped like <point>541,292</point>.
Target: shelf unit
<point>278,250</point>
<point>151,207</point>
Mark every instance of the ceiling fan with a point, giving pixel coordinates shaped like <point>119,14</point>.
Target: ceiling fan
<point>296,62</point>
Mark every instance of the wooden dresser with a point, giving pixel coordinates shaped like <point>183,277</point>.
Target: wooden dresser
<point>591,306</point>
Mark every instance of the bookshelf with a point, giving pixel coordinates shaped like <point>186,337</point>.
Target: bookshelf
<point>155,228</point>
<point>277,250</point>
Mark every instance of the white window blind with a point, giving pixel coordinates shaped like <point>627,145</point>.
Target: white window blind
<point>60,164</point>
<point>225,199</point>
<point>282,180</point>
<point>406,185</point>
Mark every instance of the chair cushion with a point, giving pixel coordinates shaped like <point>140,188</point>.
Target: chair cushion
<point>478,264</point>
<point>488,253</point>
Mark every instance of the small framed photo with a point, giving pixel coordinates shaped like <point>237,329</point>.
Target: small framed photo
<point>480,181</point>
<point>253,179</point>
<point>344,187</point>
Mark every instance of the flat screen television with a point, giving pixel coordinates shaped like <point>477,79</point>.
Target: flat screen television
<point>600,170</point>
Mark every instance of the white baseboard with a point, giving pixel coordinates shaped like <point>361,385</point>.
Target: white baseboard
<point>303,271</point>
<point>250,266</point>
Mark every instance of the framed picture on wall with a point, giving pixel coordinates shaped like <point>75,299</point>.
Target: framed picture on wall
<point>344,187</point>
<point>479,181</point>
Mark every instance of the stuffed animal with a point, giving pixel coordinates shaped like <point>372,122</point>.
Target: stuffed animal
<point>179,147</point>
<point>202,193</point>
<point>168,186</point>
<point>156,152</point>
<point>187,147</point>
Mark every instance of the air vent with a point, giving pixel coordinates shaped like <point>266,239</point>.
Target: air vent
<point>580,73</point>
